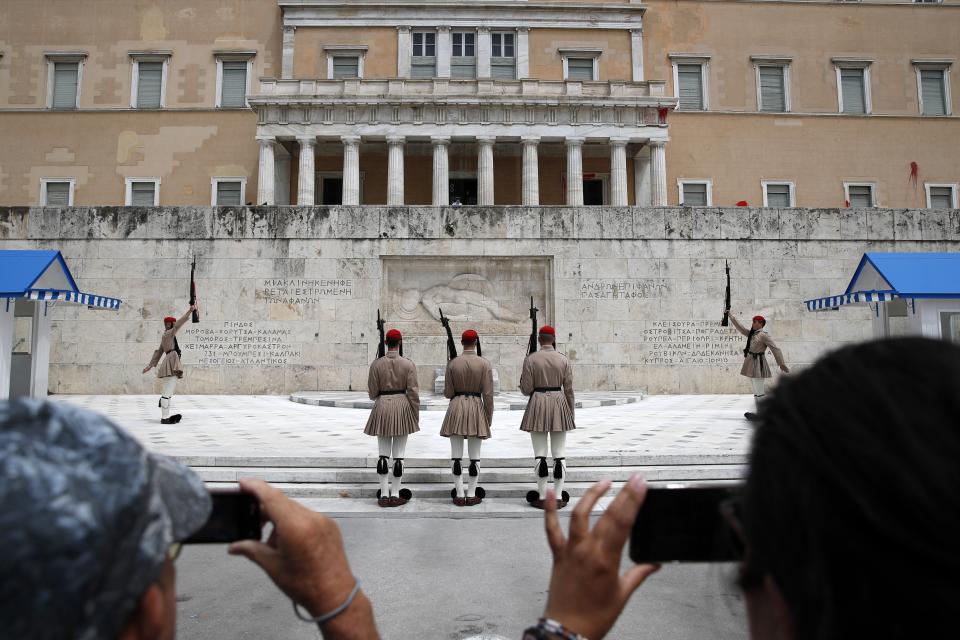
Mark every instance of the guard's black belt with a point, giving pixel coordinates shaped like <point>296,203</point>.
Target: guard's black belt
<point>168,352</point>
<point>545,389</point>
<point>475,394</point>
<point>392,392</point>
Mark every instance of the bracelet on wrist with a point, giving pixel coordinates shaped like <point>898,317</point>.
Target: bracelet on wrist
<point>327,617</point>
<point>547,628</point>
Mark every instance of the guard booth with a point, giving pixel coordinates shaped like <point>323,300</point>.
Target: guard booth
<point>909,293</point>
<point>31,283</point>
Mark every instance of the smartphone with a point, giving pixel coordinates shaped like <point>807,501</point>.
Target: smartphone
<point>684,523</point>
<point>234,516</point>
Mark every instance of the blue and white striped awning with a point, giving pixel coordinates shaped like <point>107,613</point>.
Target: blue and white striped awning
<point>88,299</point>
<point>43,276</point>
<point>856,297</point>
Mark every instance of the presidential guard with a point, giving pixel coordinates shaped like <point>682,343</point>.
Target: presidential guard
<point>392,385</point>
<point>468,383</point>
<point>755,364</point>
<point>547,378</point>
<point>171,369</point>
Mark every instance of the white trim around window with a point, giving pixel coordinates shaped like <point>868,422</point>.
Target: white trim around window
<point>73,186</point>
<point>934,65</point>
<point>232,56</point>
<point>215,181</point>
<point>358,51</point>
<point>954,188</point>
<point>136,57</point>
<point>576,52</point>
<point>773,61</point>
<point>53,57</point>
<point>792,191</point>
<point>873,192</point>
<point>704,181</point>
<point>702,59</point>
<point>128,190</point>
<point>853,63</point>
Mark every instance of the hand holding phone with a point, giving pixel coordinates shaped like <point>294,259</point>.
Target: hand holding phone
<point>233,516</point>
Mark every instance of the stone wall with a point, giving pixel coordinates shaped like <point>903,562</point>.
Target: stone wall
<point>290,295</point>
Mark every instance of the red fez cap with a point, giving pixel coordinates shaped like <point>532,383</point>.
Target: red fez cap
<point>760,319</point>
<point>393,334</point>
<point>548,330</point>
<point>469,336</point>
<point>743,203</point>
<point>170,319</point>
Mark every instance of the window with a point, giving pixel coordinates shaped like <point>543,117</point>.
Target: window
<point>148,87</point>
<point>463,63</point>
<point>346,67</point>
<point>57,192</point>
<point>234,70</point>
<point>581,64</point>
<point>859,194</point>
<point>345,61</point>
<point>690,80</point>
<point>773,85</point>
<point>142,192</point>
<point>695,193</point>
<point>579,68</point>
<point>503,57</point>
<point>64,77</point>
<point>227,192</point>
<point>778,194</point>
<point>933,86</point>
<point>853,86</point>
<point>941,196</point>
<point>424,62</point>
<point>950,326</point>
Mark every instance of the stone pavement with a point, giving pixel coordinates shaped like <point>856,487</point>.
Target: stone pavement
<point>508,401</point>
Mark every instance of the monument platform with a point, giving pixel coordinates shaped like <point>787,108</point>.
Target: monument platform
<point>514,401</point>
<point>321,456</point>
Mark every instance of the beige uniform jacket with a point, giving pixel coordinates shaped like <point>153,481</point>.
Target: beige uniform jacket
<point>547,410</point>
<point>468,416</point>
<point>393,414</point>
<point>171,362</point>
<point>755,363</point>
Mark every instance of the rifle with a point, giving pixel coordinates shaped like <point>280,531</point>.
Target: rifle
<point>726,306</point>
<point>381,349</point>
<point>193,291</point>
<point>451,346</point>
<point>532,346</point>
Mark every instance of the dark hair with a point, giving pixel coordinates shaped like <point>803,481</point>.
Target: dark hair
<point>391,342</point>
<point>468,343</point>
<point>852,505</point>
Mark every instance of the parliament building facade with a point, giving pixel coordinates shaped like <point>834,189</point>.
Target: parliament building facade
<point>500,102</point>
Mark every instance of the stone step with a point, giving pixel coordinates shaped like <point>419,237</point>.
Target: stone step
<point>489,475</point>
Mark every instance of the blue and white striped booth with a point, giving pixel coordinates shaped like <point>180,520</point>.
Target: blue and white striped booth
<point>31,281</point>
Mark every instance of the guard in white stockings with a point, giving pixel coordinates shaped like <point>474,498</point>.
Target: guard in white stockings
<point>392,384</point>
<point>468,383</point>
<point>547,378</point>
<point>171,369</point>
<point>755,364</point>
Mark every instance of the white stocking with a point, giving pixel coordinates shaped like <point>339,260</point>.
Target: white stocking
<point>399,446</point>
<point>383,446</point>
<point>169,384</point>
<point>456,453</point>
<point>759,390</point>
<point>473,447</point>
<point>558,447</point>
<point>539,439</point>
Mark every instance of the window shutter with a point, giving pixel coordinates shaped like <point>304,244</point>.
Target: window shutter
<point>778,195</point>
<point>58,194</point>
<point>932,90</point>
<point>142,194</point>
<point>503,68</point>
<point>228,193</point>
<point>694,194</point>
<point>463,67</point>
<point>346,67</point>
<point>65,84</point>
<point>851,83</point>
<point>861,195</point>
<point>234,86</point>
<point>579,68</point>
<point>423,67</point>
<point>941,197</point>
<point>772,91</point>
<point>149,85</point>
<point>690,79</point>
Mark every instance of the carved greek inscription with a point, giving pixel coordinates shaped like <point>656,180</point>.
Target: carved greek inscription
<point>240,343</point>
<point>695,342</point>
<point>627,289</point>
<point>310,291</point>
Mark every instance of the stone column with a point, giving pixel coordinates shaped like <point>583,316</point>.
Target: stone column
<point>286,64</point>
<point>636,54</point>
<point>641,178</point>
<point>484,51</point>
<point>404,51</point>
<point>618,172</point>
<point>266,178</point>
<point>531,171</point>
<point>40,351</point>
<point>574,172</point>
<point>6,344</point>
<point>658,173</point>
<point>395,170</point>
<point>306,178</point>
<point>485,170</point>
<point>444,52</point>
<point>351,170</point>
<point>523,52</point>
<point>441,171</point>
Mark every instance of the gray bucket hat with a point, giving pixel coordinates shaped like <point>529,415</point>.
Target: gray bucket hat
<point>87,517</point>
